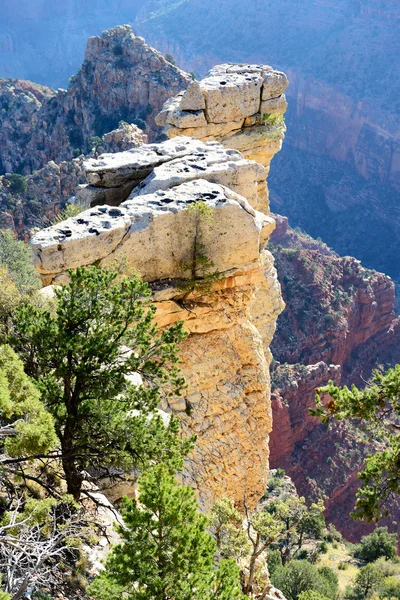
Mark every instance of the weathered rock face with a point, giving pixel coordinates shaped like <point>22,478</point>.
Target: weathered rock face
<point>121,78</point>
<point>231,323</point>
<point>20,104</point>
<point>155,167</point>
<point>241,106</point>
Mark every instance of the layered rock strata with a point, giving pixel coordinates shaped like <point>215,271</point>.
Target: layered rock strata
<point>226,356</point>
<point>239,105</point>
<point>155,167</point>
<point>338,325</point>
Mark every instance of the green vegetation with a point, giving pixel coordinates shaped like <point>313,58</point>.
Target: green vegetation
<point>300,576</point>
<point>198,265</point>
<point>26,427</point>
<point>17,258</point>
<point>379,543</point>
<point>166,551</point>
<point>273,120</point>
<point>80,355</point>
<point>376,409</point>
<point>17,184</point>
<point>71,210</point>
<point>171,59</point>
<point>275,532</point>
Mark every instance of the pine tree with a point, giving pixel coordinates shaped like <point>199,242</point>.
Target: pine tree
<point>376,410</point>
<point>25,425</point>
<point>81,353</point>
<point>166,552</point>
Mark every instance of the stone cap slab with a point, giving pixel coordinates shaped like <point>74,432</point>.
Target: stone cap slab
<point>154,233</point>
<point>232,98</point>
<point>111,170</point>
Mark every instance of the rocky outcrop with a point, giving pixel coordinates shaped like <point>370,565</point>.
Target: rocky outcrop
<point>49,188</point>
<point>20,104</point>
<point>153,167</point>
<point>338,176</point>
<point>121,78</point>
<point>241,106</point>
<point>226,356</point>
<point>294,393</point>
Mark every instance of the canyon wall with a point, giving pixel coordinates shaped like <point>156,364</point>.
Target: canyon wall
<point>121,78</point>
<point>231,321</point>
<point>339,324</point>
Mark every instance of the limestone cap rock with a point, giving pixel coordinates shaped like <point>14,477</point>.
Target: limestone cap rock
<point>230,100</point>
<point>155,234</point>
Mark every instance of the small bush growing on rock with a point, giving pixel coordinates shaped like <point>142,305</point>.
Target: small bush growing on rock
<point>170,58</point>
<point>17,184</point>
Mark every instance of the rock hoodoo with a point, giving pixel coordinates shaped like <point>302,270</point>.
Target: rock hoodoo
<point>239,105</point>
<point>140,214</point>
<point>226,357</point>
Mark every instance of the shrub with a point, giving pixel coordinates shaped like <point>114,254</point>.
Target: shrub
<point>311,595</point>
<point>301,576</point>
<point>17,257</point>
<point>390,588</point>
<point>323,547</point>
<point>274,561</point>
<point>17,184</point>
<point>366,583</point>
<point>378,543</point>
<point>170,58</point>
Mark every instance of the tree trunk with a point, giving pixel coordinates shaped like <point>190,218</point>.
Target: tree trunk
<point>73,477</point>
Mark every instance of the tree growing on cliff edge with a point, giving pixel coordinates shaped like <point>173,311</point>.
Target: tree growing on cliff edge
<point>376,409</point>
<point>166,552</point>
<point>81,354</point>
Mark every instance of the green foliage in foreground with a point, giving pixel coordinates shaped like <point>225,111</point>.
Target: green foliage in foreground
<point>379,543</point>
<point>166,552</point>
<point>300,576</point>
<point>27,428</point>
<point>376,409</point>
<point>81,352</point>
<point>17,257</point>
